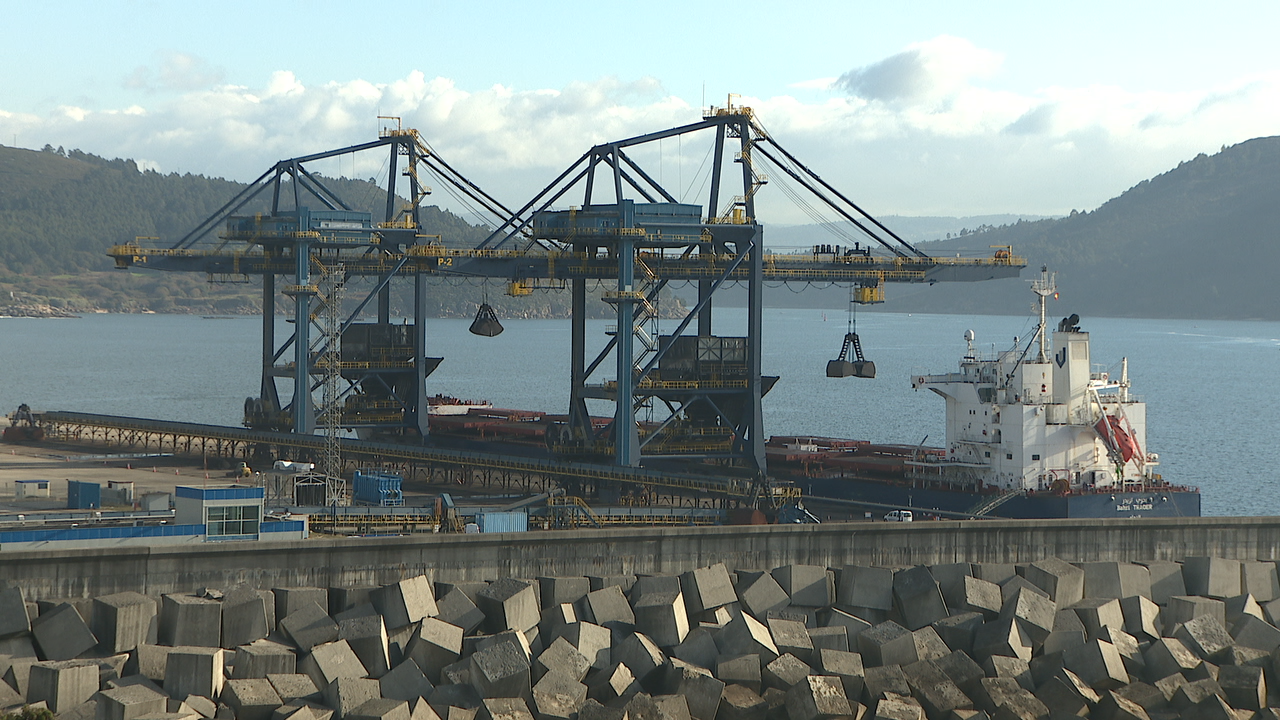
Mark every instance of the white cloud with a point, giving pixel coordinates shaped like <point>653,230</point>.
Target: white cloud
<point>926,130</point>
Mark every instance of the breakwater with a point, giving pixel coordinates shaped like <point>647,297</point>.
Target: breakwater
<point>350,562</point>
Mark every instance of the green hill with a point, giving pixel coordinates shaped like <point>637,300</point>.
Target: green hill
<point>1200,241</point>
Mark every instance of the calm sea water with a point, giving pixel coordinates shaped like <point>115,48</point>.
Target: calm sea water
<point>1212,410</point>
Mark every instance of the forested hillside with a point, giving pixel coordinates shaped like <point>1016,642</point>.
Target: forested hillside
<point>1199,241</point>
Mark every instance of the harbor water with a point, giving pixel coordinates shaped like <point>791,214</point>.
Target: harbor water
<point>1209,385</point>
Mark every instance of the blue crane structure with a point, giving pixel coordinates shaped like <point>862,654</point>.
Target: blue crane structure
<point>629,231</point>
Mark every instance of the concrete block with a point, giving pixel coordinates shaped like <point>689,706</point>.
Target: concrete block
<point>515,639</point>
<point>852,624</point>
<point>1099,613</point>
<point>420,709</point>
<point>1115,706</point>
<point>342,599</point>
<point>562,657</point>
<point>899,707</point>
<point>1068,631</point>
<point>1012,667</point>
<point>934,689</point>
<point>614,684</point>
<point>194,671</point>
<point>407,601</point>
<point>15,649</point>
<point>961,670</point>
<point>1204,636</point>
<point>599,582</point>
<point>18,674</point>
<point>1000,637</point>
<point>1212,577</point>
<point>405,682</point>
<point>929,646</point>
<point>762,595</point>
<point>14,618</point>
<point>1240,655</point>
<point>308,626</point>
<point>1251,632</point>
<point>957,630</point>
<point>662,616</point>
<point>887,644</point>
<point>359,611</point>
<point>591,640</point>
<point>790,636</point>
<point>1129,649</point>
<point>148,661</point>
<point>251,698</point>
<point>707,588</point>
<point>556,590</point>
<point>456,608</point>
<point>646,584</point>
<point>456,713</point>
<point>1245,686</point>
<point>744,635</point>
<point>918,597</point>
<point>121,621</point>
<point>294,686</point>
<point>1033,612</point>
<point>1115,580</point>
<point>990,694</point>
<point>345,694</point>
<point>380,709</point>
<point>1145,696</point>
<point>328,662</point>
<point>558,696</point>
<point>434,645</point>
<point>639,653</point>
<point>785,671</point>
<point>697,685</point>
<point>1010,587</point>
<point>1168,656</point>
<point>1064,582</point>
<point>817,698</point>
<point>740,703</point>
<point>607,607</point>
<point>1236,607</point>
<point>882,681</point>
<point>501,671</point>
<point>289,600</point>
<point>505,708</point>
<point>61,634</point>
<point>1141,617</point>
<point>833,638</point>
<point>864,587</point>
<point>244,616</point>
<point>997,573</point>
<point>367,637</point>
<point>1184,608</point>
<point>459,696</point>
<point>1098,663</point>
<point>62,685</point>
<point>1166,580</point>
<point>970,594</point>
<point>130,702</point>
<point>263,658</point>
<point>698,648</point>
<point>743,670</point>
<point>9,697</point>
<point>1067,692</point>
<point>950,577</point>
<point>1187,696</point>
<point>556,617</point>
<point>847,666</point>
<point>1258,578</point>
<point>805,584</point>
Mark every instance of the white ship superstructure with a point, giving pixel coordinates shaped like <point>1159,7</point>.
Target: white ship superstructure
<point>1039,417</point>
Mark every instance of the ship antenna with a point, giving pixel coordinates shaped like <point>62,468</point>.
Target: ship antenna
<point>1043,288</point>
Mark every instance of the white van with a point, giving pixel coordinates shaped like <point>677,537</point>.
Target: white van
<point>899,516</point>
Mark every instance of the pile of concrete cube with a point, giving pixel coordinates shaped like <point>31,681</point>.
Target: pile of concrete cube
<point>1049,639</point>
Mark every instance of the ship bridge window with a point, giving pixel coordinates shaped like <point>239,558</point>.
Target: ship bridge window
<point>1035,457</point>
<point>1008,456</point>
<point>988,453</point>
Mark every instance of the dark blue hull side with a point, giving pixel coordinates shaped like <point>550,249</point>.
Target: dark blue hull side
<point>1162,503</point>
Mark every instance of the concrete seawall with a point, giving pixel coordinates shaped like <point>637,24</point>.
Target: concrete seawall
<point>372,561</point>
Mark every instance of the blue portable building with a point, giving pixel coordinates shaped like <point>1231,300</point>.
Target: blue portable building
<point>377,488</point>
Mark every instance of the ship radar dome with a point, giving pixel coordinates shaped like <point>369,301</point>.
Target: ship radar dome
<point>969,336</point>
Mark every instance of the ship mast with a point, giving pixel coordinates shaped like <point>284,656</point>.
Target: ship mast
<point>1044,287</point>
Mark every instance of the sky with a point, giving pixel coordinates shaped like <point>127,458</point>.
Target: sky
<point>921,108</point>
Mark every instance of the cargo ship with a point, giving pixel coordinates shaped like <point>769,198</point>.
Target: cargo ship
<point>1033,431</point>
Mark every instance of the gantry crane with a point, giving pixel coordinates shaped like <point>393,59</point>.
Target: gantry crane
<point>630,231</point>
